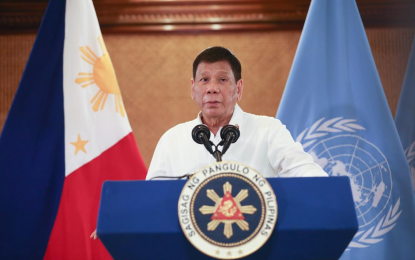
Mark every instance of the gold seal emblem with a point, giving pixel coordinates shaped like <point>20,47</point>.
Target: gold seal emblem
<point>227,210</point>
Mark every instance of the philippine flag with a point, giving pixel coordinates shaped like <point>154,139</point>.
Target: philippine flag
<point>67,131</point>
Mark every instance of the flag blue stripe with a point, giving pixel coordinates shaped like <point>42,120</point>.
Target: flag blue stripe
<point>32,161</point>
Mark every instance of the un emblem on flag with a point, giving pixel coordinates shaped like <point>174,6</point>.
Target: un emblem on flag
<point>336,145</point>
<point>227,210</point>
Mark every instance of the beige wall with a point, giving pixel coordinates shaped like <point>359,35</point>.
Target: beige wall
<point>154,72</point>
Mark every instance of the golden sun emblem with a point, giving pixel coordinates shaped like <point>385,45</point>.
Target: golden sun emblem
<point>103,76</point>
<point>227,210</point>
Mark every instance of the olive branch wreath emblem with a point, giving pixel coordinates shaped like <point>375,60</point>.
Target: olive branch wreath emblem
<point>364,237</point>
<point>410,157</point>
<point>410,153</point>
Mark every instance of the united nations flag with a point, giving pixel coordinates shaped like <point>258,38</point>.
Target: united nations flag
<point>334,105</point>
<point>227,210</point>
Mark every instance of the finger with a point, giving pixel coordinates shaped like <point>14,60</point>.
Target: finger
<point>94,235</point>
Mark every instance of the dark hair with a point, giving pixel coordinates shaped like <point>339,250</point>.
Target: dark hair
<point>215,54</point>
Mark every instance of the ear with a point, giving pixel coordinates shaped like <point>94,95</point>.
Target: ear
<point>192,90</point>
<point>239,88</point>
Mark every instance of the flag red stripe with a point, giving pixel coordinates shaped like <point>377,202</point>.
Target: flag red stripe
<point>78,209</point>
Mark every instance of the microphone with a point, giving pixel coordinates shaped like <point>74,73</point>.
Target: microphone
<point>229,134</point>
<point>201,135</point>
<point>173,177</point>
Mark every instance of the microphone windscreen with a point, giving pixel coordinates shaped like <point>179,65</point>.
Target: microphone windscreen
<point>230,129</point>
<point>196,133</point>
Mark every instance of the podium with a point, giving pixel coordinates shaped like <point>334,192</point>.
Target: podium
<point>316,220</point>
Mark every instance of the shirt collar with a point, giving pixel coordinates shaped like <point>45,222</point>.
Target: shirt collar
<point>236,119</point>
<point>237,116</point>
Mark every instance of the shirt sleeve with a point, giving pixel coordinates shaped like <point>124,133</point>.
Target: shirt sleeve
<point>287,157</point>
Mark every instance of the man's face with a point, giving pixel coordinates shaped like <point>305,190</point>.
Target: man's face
<point>215,91</point>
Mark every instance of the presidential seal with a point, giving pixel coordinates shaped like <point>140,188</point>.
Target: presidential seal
<point>227,210</point>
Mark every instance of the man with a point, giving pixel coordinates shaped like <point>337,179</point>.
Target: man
<point>264,143</point>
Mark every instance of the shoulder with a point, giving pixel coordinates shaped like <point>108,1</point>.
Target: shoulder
<point>265,127</point>
<point>181,128</point>
<point>261,121</point>
<point>179,132</point>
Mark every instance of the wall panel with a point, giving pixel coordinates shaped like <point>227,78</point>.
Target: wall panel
<point>154,72</point>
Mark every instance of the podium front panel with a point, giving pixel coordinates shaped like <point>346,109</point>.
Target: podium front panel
<point>139,220</point>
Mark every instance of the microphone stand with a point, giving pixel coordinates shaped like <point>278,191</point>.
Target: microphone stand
<point>229,135</point>
<point>201,135</point>
<point>217,154</point>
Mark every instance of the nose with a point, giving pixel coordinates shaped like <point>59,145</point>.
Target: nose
<point>212,88</point>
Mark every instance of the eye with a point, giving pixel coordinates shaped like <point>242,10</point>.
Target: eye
<point>223,79</point>
<point>203,79</point>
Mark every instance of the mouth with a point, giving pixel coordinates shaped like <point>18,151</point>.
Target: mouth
<point>212,103</point>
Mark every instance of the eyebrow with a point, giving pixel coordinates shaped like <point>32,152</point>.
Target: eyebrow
<point>222,72</point>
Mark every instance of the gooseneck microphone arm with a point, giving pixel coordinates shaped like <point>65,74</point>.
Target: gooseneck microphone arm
<point>229,134</point>
<point>206,142</point>
<point>201,135</point>
<point>218,155</point>
<point>187,176</point>
<point>227,142</point>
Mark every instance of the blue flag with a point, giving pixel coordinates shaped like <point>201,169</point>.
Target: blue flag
<point>405,114</point>
<point>32,182</point>
<point>335,106</point>
<point>32,161</point>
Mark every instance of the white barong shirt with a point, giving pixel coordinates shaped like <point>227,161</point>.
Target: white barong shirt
<point>264,144</point>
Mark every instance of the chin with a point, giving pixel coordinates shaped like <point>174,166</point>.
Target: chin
<point>211,113</point>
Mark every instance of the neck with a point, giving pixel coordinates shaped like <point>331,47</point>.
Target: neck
<point>214,124</point>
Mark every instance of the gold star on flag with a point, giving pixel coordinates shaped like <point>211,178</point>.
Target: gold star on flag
<point>79,145</point>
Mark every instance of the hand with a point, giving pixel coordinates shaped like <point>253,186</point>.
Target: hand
<point>94,235</point>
